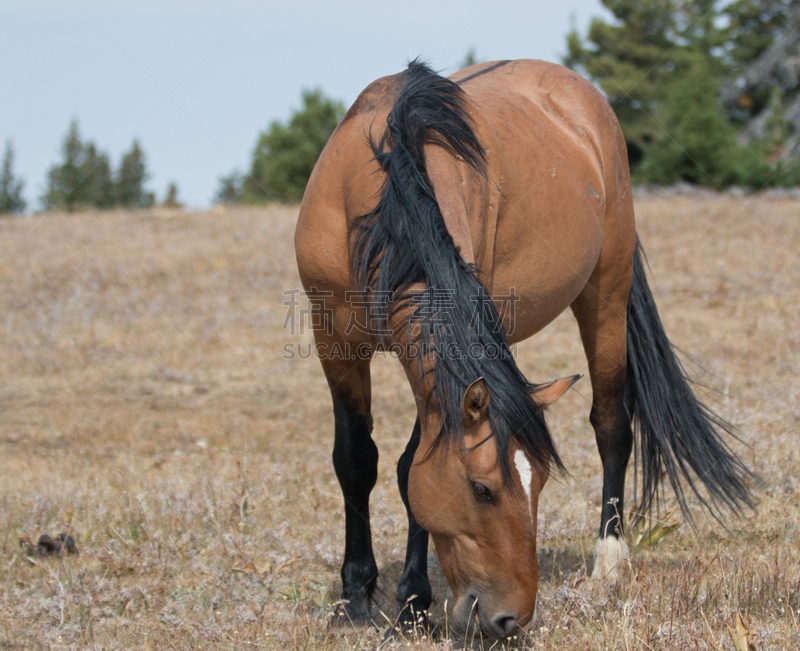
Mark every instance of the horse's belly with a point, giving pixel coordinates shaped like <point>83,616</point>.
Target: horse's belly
<point>540,271</point>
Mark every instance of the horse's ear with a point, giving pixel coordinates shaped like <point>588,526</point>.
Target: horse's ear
<point>475,401</point>
<point>546,394</point>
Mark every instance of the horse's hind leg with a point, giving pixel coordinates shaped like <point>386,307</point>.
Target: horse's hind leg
<point>601,311</point>
<point>414,590</point>
<point>355,460</point>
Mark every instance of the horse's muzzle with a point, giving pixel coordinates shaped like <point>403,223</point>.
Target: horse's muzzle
<point>475,613</point>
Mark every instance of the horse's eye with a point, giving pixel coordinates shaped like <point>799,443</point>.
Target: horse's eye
<point>481,491</point>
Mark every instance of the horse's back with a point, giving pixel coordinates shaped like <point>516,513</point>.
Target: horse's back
<point>538,105</point>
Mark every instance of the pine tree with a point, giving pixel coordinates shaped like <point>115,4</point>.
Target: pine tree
<point>98,178</point>
<point>171,200</point>
<point>633,62</point>
<point>752,26</point>
<point>130,191</point>
<point>229,191</point>
<point>763,47</point>
<point>697,144</point>
<point>286,154</point>
<point>470,59</point>
<point>748,46</point>
<point>65,187</point>
<point>11,201</point>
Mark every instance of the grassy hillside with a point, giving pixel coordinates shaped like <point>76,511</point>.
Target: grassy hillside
<point>147,410</point>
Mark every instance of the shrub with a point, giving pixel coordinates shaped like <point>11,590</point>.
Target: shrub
<point>11,200</point>
<point>695,144</point>
<point>84,178</point>
<point>171,200</point>
<point>229,191</point>
<point>130,190</point>
<point>65,187</point>
<point>286,154</point>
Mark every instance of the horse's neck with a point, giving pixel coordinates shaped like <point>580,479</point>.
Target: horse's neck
<point>469,202</point>
<point>420,378</point>
<point>418,362</point>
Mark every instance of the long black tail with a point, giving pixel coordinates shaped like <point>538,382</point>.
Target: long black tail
<point>674,430</point>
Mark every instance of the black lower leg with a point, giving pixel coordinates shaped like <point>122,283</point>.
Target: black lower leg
<point>355,459</point>
<point>414,590</point>
<point>612,425</point>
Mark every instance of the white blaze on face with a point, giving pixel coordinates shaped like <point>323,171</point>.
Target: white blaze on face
<point>525,476</point>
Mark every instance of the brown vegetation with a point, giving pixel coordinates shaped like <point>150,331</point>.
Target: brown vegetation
<point>147,410</point>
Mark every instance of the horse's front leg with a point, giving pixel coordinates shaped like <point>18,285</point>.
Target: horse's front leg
<point>414,595</point>
<point>355,460</point>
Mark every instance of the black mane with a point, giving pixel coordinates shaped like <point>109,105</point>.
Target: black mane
<point>404,241</point>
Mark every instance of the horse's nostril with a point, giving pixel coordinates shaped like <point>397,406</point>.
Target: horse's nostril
<point>504,625</point>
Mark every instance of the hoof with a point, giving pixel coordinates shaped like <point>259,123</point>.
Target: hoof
<point>350,614</point>
<point>610,554</point>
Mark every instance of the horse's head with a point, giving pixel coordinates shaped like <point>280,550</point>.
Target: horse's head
<point>483,526</point>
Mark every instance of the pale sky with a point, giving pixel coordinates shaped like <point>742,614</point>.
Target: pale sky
<point>196,81</point>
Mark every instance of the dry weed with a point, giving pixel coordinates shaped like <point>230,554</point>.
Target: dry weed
<point>149,412</point>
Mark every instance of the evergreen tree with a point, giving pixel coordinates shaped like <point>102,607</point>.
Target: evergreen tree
<point>697,145</point>
<point>633,62</point>
<point>749,47</point>
<point>700,32</point>
<point>130,191</point>
<point>11,200</point>
<point>752,26</point>
<point>763,50</point>
<point>229,191</point>
<point>285,155</point>
<point>96,171</point>
<point>171,200</point>
<point>65,188</point>
<point>470,59</point>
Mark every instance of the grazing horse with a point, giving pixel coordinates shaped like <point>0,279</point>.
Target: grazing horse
<point>445,220</point>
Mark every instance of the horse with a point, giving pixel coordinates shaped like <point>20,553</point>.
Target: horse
<point>434,201</point>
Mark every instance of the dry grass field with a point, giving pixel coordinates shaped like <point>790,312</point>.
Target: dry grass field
<point>147,410</point>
